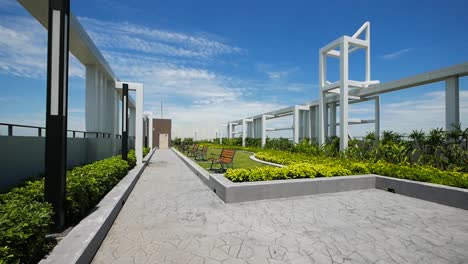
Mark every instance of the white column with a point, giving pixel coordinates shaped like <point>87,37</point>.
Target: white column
<point>92,103</point>
<point>131,122</point>
<point>115,109</point>
<point>452,102</point>
<point>101,101</point>
<point>313,120</point>
<point>333,119</point>
<point>229,130</point>
<point>139,125</point>
<point>305,124</point>
<point>377,117</point>
<point>150,130</point>
<point>244,131</point>
<point>296,125</point>
<point>344,95</point>
<point>221,136</point>
<point>263,130</point>
<point>322,122</point>
<point>368,70</point>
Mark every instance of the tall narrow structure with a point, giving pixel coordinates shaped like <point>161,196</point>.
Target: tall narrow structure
<point>341,48</point>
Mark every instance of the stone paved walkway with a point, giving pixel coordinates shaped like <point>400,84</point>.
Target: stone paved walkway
<point>172,217</point>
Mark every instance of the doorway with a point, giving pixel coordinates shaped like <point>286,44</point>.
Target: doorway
<point>163,141</point>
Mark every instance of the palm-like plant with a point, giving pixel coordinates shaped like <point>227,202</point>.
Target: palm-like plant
<point>391,136</point>
<point>455,134</point>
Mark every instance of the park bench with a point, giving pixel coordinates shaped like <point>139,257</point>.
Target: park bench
<point>201,154</point>
<point>225,158</point>
<point>193,151</point>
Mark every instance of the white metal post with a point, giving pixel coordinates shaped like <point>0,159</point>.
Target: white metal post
<point>313,120</point>
<point>377,117</point>
<point>323,99</point>
<point>139,125</point>
<point>263,130</point>
<point>92,99</point>
<point>333,119</point>
<point>296,125</point>
<point>344,94</point>
<point>150,129</point>
<point>452,102</point>
<point>244,131</point>
<point>368,69</point>
<point>221,136</point>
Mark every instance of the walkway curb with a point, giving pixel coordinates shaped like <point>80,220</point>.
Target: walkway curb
<point>203,174</point>
<point>83,241</point>
<point>252,157</point>
<point>234,192</point>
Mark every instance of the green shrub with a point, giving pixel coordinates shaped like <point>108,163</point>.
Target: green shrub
<point>25,217</point>
<point>329,166</point>
<point>87,185</point>
<point>278,144</point>
<point>253,142</point>
<point>24,222</point>
<point>271,173</point>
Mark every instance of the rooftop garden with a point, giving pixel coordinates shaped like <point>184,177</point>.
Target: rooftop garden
<point>438,156</point>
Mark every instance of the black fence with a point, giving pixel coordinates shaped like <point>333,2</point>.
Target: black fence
<point>71,133</point>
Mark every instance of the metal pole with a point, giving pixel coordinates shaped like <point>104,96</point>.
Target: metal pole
<point>56,112</point>
<point>124,121</point>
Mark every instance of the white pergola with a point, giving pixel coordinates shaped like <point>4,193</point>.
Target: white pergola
<point>102,97</point>
<point>341,48</point>
<point>138,88</point>
<point>318,119</point>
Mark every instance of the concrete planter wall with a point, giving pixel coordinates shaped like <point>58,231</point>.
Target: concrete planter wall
<point>233,192</point>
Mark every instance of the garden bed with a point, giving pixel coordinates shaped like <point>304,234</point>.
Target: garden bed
<point>300,165</point>
<point>25,216</point>
<point>233,192</point>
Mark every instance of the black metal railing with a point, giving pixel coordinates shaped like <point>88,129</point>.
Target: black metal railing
<point>74,133</point>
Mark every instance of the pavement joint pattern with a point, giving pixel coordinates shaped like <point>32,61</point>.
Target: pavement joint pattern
<point>172,217</point>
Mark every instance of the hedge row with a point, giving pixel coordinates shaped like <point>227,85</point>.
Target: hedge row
<point>303,165</point>
<point>25,216</point>
<point>294,171</point>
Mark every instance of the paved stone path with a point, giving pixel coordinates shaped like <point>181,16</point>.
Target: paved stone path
<point>172,217</point>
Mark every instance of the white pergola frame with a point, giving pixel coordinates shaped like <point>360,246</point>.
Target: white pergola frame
<point>345,46</point>
<point>331,94</point>
<point>138,88</point>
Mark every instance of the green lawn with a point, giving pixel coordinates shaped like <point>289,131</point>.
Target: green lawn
<point>241,160</point>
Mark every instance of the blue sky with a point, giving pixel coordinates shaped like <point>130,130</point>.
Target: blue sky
<point>214,61</point>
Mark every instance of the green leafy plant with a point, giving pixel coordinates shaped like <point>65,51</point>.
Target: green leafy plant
<point>25,216</point>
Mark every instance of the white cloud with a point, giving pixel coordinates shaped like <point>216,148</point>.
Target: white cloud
<point>207,119</point>
<point>23,49</point>
<point>127,36</point>
<point>396,54</point>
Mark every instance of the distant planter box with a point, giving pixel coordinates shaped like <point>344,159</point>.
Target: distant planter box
<point>234,192</point>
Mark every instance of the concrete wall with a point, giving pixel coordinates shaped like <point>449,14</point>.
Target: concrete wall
<point>161,126</point>
<point>22,158</point>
